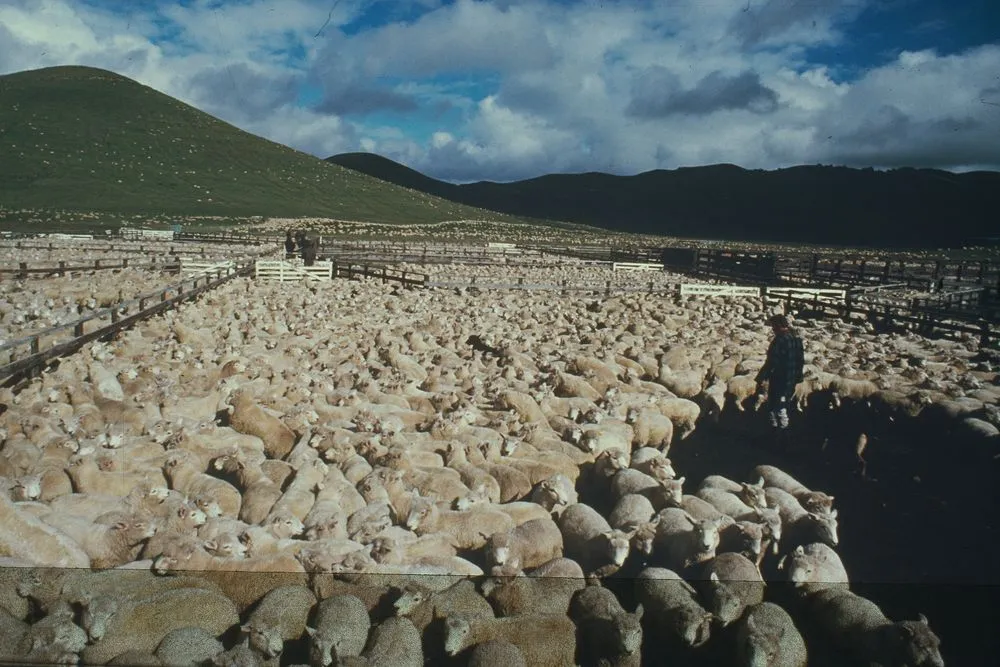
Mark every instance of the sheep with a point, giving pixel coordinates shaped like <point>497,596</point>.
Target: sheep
<point>88,477</point>
<point>606,632</point>
<point>527,545</point>
<point>107,545</point>
<point>299,495</point>
<point>559,567</point>
<point>858,626</point>
<point>652,462</point>
<point>281,616</point>
<point>26,537</point>
<point>660,493</point>
<point>814,567</point>
<point>682,541</point>
<point>812,501</point>
<point>391,550</point>
<point>184,475</point>
<point>259,492</point>
<point>466,530</point>
<point>724,501</point>
<point>631,511</point>
<point>496,653</point>
<point>523,404</point>
<point>247,417</point>
<point>766,636</point>
<point>589,539</point>
<point>514,484</point>
<point>545,640</point>
<point>800,526</point>
<point>393,643</point>
<point>651,429</point>
<point>671,607</point>
<point>729,583</point>
<point>713,400</point>
<point>750,494</point>
<point>740,388</point>
<point>534,594</point>
<point>555,493</point>
<point>142,623</point>
<point>422,606</point>
<point>188,646</point>
<point>682,412</point>
<point>55,631</point>
<point>341,629</point>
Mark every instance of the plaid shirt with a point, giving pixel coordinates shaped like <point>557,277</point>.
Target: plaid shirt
<point>785,358</point>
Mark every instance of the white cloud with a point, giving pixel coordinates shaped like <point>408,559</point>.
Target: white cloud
<point>720,82</point>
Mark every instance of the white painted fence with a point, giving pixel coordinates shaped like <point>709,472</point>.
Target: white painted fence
<point>692,289</point>
<point>285,271</point>
<point>155,234</point>
<point>636,266</point>
<point>57,235</point>
<point>501,245</point>
<point>827,295</point>
<point>195,267</point>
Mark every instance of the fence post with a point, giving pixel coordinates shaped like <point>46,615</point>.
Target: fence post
<point>563,290</point>
<point>24,270</point>
<point>607,288</point>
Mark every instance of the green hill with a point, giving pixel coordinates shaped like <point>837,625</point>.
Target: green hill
<point>85,139</point>
<point>803,204</point>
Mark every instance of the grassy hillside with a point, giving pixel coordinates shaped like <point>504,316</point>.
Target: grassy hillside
<point>805,204</point>
<point>85,139</point>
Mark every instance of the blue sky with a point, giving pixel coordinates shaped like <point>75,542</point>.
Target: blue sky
<point>501,90</point>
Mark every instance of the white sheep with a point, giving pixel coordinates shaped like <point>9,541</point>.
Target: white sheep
<point>800,526</point>
<point>589,539</point>
<point>671,605</point>
<point>527,545</point>
<point>341,629</point>
<point>682,412</point>
<point>814,567</point>
<point>683,541</point>
<point>543,639</point>
<point>812,501</point>
<point>466,530</point>
<point>651,428</point>
<point>280,617</point>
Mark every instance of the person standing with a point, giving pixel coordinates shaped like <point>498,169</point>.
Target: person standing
<point>289,245</point>
<point>782,370</point>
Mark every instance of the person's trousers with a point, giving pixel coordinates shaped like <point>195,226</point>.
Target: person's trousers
<point>778,400</point>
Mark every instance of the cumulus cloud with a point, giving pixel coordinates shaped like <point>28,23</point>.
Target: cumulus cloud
<point>510,89</point>
<point>657,93</point>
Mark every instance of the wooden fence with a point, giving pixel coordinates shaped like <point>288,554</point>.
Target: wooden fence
<point>830,295</point>
<point>31,270</point>
<point>44,346</point>
<point>692,289</point>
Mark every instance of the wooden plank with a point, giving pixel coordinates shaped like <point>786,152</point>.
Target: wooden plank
<point>691,289</point>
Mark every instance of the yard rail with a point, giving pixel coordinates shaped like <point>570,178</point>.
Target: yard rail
<point>90,328</point>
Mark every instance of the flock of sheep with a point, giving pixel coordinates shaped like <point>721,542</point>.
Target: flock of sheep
<point>355,473</point>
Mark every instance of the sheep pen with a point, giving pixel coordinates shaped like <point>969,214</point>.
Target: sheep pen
<point>348,416</point>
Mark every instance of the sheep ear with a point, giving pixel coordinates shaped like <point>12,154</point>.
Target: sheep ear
<point>800,550</point>
<point>119,525</point>
<point>833,514</point>
<point>922,619</point>
<point>310,631</point>
<point>680,480</point>
<point>760,483</point>
<point>713,577</point>
<point>210,545</point>
<point>750,624</point>
<point>639,611</point>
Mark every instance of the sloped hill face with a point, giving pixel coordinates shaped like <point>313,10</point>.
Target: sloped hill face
<point>805,204</point>
<point>79,138</point>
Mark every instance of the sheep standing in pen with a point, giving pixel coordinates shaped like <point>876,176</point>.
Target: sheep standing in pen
<point>589,539</point>
<point>528,545</point>
<point>859,627</point>
<point>767,637</point>
<point>341,630</point>
<point>606,633</point>
<point>281,616</point>
<point>671,608</point>
<point>545,640</point>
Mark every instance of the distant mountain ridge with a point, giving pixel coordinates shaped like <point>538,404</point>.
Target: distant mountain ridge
<point>804,204</point>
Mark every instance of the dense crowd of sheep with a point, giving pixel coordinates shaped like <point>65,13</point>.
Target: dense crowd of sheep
<point>332,474</point>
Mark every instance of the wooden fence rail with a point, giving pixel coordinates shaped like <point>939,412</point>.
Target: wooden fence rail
<point>25,269</point>
<point>153,303</point>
